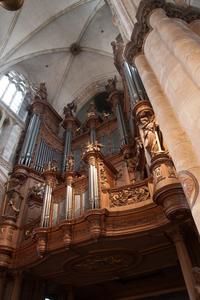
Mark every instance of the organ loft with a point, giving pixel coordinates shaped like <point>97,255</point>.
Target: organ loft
<point>99,150</point>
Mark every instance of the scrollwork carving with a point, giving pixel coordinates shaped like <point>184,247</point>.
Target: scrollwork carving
<point>128,196</point>
<point>190,186</point>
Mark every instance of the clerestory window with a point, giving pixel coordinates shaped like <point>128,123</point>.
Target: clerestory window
<point>13,90</point>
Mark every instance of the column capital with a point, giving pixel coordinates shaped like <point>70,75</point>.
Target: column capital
<point>143,27</point>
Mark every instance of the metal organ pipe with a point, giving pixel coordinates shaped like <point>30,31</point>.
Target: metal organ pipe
<point>144,94</point>
<point>137,83</point>
<point>32,141</point>
<point>41,156</point>
<point>92,135</point>
<point>26,140</point>
<point>131,85</point>
<point>47,206</point>
<point>67,149</point>
<point>38,156</point>
<point>68,202</point>
<point>121,124</point>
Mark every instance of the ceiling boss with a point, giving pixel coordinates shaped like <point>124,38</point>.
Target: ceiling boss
<point>12,4</point>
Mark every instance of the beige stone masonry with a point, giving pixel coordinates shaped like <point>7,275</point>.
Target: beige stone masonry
<point>179,145</point>
<point>181,40</point>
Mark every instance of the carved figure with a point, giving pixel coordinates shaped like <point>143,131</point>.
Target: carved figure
<point>70,163</point>
<point>111,85</point>
<point>93,147</point>
<point>13,197</point>
<point>153,140</point>
<point>38,190</point>
<point>70,109</point>
<point>51,166</point>
<point>41,92</point>
<point>118,49</point>
<point>91,112</point>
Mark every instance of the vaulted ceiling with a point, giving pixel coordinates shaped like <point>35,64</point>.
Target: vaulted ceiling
<point>36,41</point>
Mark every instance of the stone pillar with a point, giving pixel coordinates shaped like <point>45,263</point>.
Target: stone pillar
<point>167,189</point>
<point>16,287</point>
<point>181,40</point>
<point>178,77</point>
<point>185,263</point>
<point>124,16</point>
<point>180,148</point>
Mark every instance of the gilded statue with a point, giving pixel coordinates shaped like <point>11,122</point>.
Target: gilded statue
<point>153,140</point>
<point>93,146</point>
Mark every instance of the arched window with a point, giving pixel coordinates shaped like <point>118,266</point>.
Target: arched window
<point>13,90</point>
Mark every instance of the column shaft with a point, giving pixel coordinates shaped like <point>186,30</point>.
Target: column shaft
<point>181,40</point>
<point>176,139</point>
<point>185,263</point>
<point>67,149</point>
<point>16,287</point>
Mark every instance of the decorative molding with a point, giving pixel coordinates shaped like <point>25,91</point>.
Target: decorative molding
<point>129,195</point>
<point>142,27</point>
<point>190,186</point>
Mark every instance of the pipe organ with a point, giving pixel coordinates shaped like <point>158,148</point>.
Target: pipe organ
<point>73,173</point>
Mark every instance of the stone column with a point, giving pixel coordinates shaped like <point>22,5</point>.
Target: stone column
<point>179,77</point>
<point>167,189</point>
<point>17,287</point>
<point>185,263</point>
<point>124,16</point>
<point>180,148</point>
<point>181,40</point>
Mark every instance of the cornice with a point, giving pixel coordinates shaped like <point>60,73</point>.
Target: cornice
<point>142,27</point>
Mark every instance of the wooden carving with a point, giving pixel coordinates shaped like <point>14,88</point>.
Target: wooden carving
<point>153,140</point>
<point>13,197</point>
<point>129,195</point>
